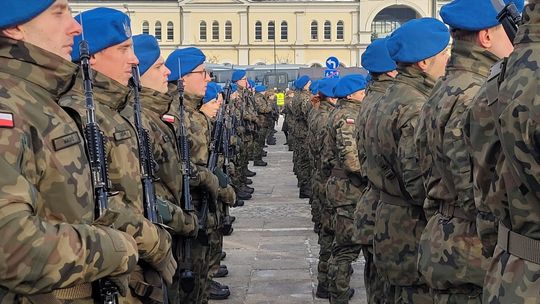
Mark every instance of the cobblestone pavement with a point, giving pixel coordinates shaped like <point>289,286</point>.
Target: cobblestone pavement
<point>272,254</point>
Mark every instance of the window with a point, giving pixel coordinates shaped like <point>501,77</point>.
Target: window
<point>170,31</point>
<point>327,30</point>
<point>228,30</point>
<point>215,30</point>
<point>202,31</point>
<point>157,31</point>
<point>258,31</point>
<point>145,28</point>
<point>271,30</point>
<point>284,30</point>
<point>314,30</point>
<point>339,31</point>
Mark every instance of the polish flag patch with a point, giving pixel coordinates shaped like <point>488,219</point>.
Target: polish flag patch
<point>6,120</point>
<point>168,118</point>
<point>350,121</point>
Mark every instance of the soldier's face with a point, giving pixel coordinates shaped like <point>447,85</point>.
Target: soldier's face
<point>242,82</point>
<point>195,82</point>
<point>500,45</point>
<point>116,61</point>
<point>156,76</point>
<point>53,30</point>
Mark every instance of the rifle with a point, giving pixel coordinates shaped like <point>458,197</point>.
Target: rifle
<point>508,15</point>
<point>187,277</point>
<point>146,161</point>
<point>104,290</point>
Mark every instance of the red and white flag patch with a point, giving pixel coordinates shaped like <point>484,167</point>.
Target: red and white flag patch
<point>350,121</point>
<point>6,120</point>
<point>167,118</point>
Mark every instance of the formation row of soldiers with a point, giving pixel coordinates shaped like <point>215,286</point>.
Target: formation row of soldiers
<point>116,178</point>
<point>434,175</point>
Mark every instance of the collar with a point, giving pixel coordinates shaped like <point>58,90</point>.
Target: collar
<point>472,58</point>
<point>106,90</point>
<point>379,83</point>
<point>411,75</point>
<point>155,101</point>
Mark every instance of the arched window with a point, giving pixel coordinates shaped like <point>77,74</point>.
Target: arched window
<point>215,30</point>
<point>327,30</point>
<point>339,30</point>
<point>170,31</point>
<point>202,31</point>
<point>157,31</point>
<point>271,30</point>
<point>284,30</point>
<point>145,28</point>
<point>258,30</point>
<point>314,30</point>
<point>228,30</point>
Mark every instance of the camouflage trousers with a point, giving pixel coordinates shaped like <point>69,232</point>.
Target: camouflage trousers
<point>326,238</point>
<point>376,288</point>
<point>316,188</point>
<point>302,163</point>
<point>200,261</point>
<point>417,294</point>
<point>259,143</point>
<point>215,241</point>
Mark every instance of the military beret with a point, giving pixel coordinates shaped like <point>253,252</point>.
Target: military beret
<point>147,51</point>
<point>349,84</point>
<point>418,39</point>
<point>237,75</point>
<point>234,87</point>
<point>212,91</point>
<point>184,60</point>
<point>376,58</point>
<point>327,85</point>
<point>368,78</point>
<point>473,15</point>
<point>314,87</point>
<point>251,83</point>
<point>15,12</point>
<point>103,27</point>
<point>260,88</point>
<point>301,82</point>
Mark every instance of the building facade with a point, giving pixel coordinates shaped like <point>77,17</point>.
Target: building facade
<point>251,32</point>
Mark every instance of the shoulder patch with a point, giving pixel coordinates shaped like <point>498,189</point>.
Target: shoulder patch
<point>349,121</point>
<point>121,135</point>
<point>6,120</point>
<point>66,141</point>
<point>167,118</point>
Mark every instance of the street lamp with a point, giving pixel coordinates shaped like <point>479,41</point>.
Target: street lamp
<point>275,61</point>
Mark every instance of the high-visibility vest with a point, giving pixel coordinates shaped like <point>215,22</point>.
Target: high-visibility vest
<point>280,99</point>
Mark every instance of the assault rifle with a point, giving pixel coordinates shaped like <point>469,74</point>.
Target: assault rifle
<point>508,16</point>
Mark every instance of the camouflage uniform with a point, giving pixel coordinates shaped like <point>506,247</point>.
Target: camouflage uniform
<point>246,117</point>
<point>513,274</point>
<point>301,105</point>
<point>399,218</point>
<point>263,109</point>
<point>154,243</point>
<point>48,239</point>
<point>450,234</point>
<point>288,123</point>
<point>364,215</point>
<point>314,158</point>
<point>343,188</point>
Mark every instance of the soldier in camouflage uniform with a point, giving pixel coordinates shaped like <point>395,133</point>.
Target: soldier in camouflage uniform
<point>323,168</point>
<point>450,233</point>
<point>512,276</point>
<point>314,158</point>
<point>264,110</point>
<point>52,249</point>
<point>288,123</point>
<point>111,60</point>
<point>345,185</point>
<point>399,218</point>
<point>382,70</point>
<point>301,106</point>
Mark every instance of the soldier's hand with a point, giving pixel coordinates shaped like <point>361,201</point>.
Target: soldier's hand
<point>120,249</point>
<point>210,183</point>
<point>227,195</point>
<point>167,266</point>
<point>210,108</point>
<point>122,283</point>
<point>191,224</point>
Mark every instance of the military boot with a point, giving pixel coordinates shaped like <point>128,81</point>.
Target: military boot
<point>265,154</point>
<point>246,189</point>
<point>247,181</point>
<point>260,163</point>
<point>222,272</point>
<point>322,292</point>
<point>250,173</point>
<point>217,292</point>
<point>238,203</point>
<point>243,196</point>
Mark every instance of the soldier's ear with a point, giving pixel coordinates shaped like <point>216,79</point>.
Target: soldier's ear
<point>93,59</point>
<point>485,38</point>
<point>423,64</point>
<point>15,33</point>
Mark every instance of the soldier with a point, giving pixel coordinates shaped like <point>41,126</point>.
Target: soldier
<point>263,109</point>
<point>419,48</point>
<point>52,249</point>
<point>322,172</point>
<point>512,276</point>
<point>301,106</point>
<point>382,69</point>
<point>188,63</point>
<point>314,158</point>
<point>288,123</point>
<point>345,185</point>
<point>450,234</point>
<point>110,45</point>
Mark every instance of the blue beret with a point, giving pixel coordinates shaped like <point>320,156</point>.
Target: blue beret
<point>190,58</point>
<point>234,87</point>
<point>103,27</point>
<point>417,40</point>
<point>147,51</point>
<point>327,85</point>
<point>376,58</point>
<point>301,82</point>
<point>212,91</point>
<point>472,15</point>
<point>251,83</point>
<point>368,78</point>
<point>349,84</point>
<point>237,75</point>
<point>260,88</point>
<point>314,87</point>
<point>15,12</point>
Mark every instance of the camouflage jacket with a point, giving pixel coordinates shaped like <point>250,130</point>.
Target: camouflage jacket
<point>319,132</point>
<point>46,204</point>
<point>121,148</point>
<point>262,105</point>
<point>466,71</point>
<point>301,105</point>
<point>391,148</point>
<point>313,147</point>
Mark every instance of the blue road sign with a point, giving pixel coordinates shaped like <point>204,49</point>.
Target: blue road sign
<point>332,63</point>
<point>331,73</point>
